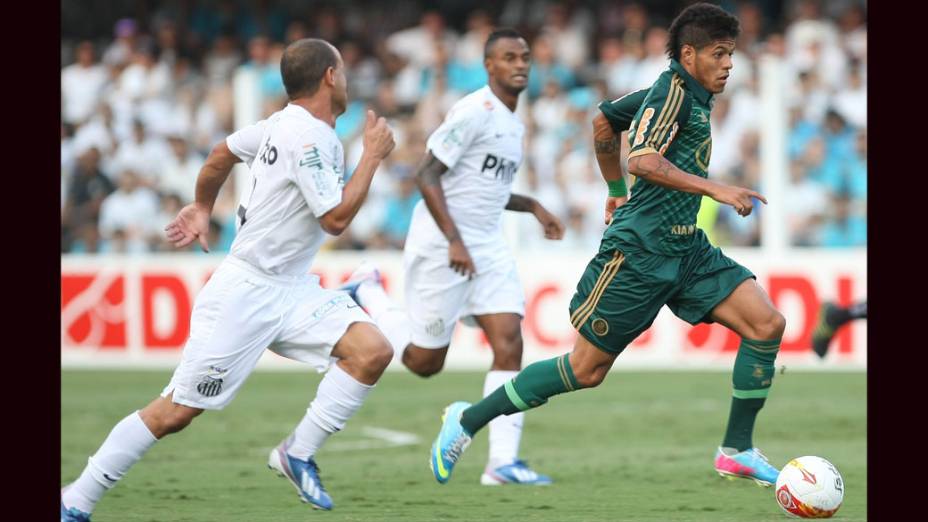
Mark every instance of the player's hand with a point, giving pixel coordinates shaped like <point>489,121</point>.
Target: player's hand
<point>554,229</point>
<point>739,198</point>
<point>612,204</point>
<point>459,259</point>
<point>192,222</point>
<point>378,136</point>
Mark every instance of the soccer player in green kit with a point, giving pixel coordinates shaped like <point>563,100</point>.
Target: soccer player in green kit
<point>652,254</point>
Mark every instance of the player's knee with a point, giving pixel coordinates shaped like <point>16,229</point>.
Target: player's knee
<point>380,355</point>
<point>508,355</point>
<point>166,418</point>
<point>773,327</point>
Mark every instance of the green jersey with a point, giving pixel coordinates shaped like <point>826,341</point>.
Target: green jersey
<point>672,119</point>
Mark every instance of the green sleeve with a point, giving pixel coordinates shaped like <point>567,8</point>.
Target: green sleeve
<point>621,111</point>
<point>661,116</point>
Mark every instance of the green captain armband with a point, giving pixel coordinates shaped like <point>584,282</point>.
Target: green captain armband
<point>617,189</point>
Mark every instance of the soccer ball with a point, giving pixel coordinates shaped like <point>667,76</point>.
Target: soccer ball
<point>810,487</point>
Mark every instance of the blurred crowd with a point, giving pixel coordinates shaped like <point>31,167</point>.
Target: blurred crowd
<point>142,107</point>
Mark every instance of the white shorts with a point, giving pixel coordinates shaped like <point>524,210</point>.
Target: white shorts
<point>240,312</point>
<point>437,296</point>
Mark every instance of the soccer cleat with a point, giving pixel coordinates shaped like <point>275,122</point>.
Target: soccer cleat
<point>303,474</point>
<point>451,442</point>
<point>516,473</point>
<point>73,515</point>
<point>825,329</point>
<point>750,463</point>
<point>366,272</point>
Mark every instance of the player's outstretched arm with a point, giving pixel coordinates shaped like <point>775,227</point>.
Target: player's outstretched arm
<point>553,227</point>
<point>192,222</point>
<point>428,177</point>
<point>658,170</point>
<point>608,156</point>
<point>378,142</point>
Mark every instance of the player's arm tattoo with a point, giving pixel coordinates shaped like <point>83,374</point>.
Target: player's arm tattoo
<point>649,164</point>
<point>521,203</point>
<point>658,170</point>
<point>608,146</point>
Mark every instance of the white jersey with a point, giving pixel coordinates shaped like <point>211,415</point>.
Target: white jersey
<point>480,142</point>
<point>297,168</point>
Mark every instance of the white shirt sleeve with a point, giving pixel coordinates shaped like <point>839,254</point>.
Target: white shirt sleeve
<point>319,166</point>
<point>244,143</point>
<point>455,135</point>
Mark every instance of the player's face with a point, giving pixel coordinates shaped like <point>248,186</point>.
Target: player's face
<point>508,64</point>
<point>712,65</point>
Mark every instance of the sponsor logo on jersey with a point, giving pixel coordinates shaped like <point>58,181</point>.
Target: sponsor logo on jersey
<point>311,158</point>
<point>683,230</point>
<point>501,168</point>
<point>326,308</point>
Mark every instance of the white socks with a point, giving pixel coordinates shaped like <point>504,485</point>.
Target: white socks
<point>505,430</point>
<point>390,318</point>
<point>339,396</point>
<point>123,447</point>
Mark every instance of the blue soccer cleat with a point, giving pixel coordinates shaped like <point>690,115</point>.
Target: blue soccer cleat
<point>516,473</point>
<point>451,442</point>
<point>750,463</point>
<point>303,474</point>
<point>366,272</point>
<point>73,514</point>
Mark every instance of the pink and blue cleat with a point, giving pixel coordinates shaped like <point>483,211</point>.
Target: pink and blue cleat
<point>750,464</point>
<point>366,272</point>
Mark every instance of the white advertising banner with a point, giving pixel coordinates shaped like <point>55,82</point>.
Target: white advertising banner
<point>129,311</point>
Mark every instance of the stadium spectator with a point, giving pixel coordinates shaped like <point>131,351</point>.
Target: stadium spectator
<point>127,215</point>
<point>81,86</point>
<point>87,188</point>
<point>171,68</point>
<point>179,174</point>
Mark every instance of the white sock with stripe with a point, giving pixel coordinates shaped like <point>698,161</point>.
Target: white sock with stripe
<point>505,430</point>
<point>338,398</point>
<point>124,446</point>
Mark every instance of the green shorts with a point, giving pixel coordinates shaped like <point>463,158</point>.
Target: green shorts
<point>624,287</point>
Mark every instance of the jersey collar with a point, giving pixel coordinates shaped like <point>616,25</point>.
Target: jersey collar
<point>496,100</point>
<point>700,92</point>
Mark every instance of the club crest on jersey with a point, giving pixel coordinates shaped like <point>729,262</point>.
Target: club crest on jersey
<point>501,168</point>
<point>211,384</point>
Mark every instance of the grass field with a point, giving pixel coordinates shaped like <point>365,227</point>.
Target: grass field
<point>638,448</point>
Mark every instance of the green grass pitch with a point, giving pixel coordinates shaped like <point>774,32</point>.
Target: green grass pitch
<point>638,448</point>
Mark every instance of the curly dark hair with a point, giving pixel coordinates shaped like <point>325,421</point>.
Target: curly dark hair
<point>699,25</point>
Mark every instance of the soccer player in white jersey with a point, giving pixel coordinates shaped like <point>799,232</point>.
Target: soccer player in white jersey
<point>262,295</point>
<point>457,263</point>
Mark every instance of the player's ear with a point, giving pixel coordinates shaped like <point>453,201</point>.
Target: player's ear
<point>330,76</point>
<point>687,54</point>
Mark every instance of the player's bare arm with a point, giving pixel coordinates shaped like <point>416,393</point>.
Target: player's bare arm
<point>658,170</point>
<point>428,177</point>
<point>192,222</point>
<point>378,142</point>
<point>608,156</point>
<point>553,227</point>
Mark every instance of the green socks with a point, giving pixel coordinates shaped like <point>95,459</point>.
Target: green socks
<point>751,379</point>
<point>529,389</point>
